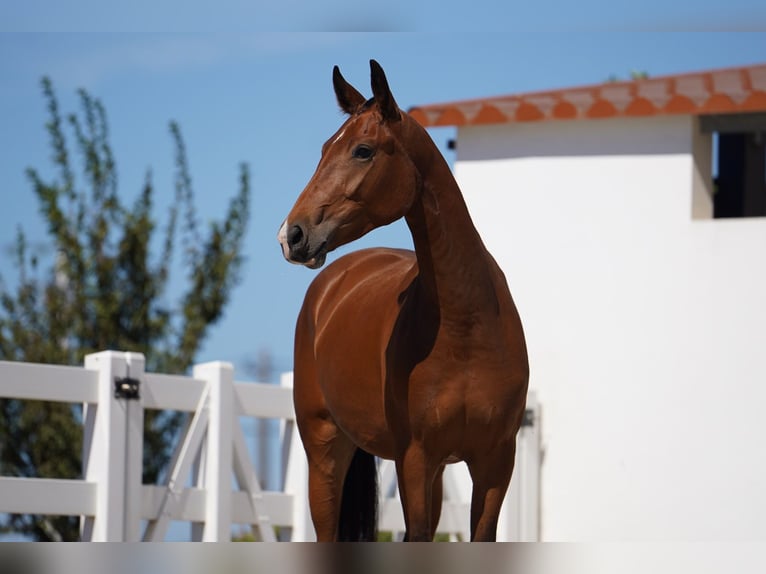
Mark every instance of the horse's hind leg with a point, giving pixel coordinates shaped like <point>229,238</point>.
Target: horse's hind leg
<point>329,454</point>
<point>491,475</point>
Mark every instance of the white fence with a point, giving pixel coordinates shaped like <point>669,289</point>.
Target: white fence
<point>211,481</point>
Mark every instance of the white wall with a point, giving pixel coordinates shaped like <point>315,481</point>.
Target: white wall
<point>645,325</point>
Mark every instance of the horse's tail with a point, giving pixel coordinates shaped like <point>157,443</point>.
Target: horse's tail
<point>359,505</point>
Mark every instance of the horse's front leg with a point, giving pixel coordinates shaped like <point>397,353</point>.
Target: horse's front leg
<point>437,497</point>
<point>329,453</point>
<point>416,480</point>
<point>491,475</point>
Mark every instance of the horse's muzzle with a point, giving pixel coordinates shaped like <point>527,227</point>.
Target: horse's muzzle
<point>298,248</point>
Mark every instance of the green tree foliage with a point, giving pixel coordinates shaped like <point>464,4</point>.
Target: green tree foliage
<point>634,76</point>
<point>106,287</point>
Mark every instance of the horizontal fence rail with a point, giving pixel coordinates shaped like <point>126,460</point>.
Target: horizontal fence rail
<point>33,381</point>
<point>211,458</point>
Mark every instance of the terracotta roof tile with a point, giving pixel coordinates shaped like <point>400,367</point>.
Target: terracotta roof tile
<point>729,90</point>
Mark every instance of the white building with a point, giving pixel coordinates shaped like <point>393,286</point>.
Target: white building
<point>643,294</point>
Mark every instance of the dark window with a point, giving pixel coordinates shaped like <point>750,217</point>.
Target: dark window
<point>740,183</point>
<point>739,163</point>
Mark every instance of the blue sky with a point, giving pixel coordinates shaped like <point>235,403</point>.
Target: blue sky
<point>266,98</point>
<point>481,16</point>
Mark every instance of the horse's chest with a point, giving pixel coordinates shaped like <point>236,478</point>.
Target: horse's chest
<point>476,390</point>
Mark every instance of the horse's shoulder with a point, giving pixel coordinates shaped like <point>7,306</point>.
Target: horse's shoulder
<point>362,283</point>
<point>374,268</point>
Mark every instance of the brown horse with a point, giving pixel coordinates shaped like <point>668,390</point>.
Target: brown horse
<point>416,357</point>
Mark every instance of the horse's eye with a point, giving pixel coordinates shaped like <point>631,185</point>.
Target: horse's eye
<point>362,152</point>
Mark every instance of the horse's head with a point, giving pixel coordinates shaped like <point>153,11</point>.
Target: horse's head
<point>364,178</point>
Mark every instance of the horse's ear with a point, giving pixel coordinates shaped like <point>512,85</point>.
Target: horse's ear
<point>383,97</point>
<point>349,99</point>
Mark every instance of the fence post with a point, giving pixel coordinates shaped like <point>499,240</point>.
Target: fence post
<point>218,453</point>
<point>113,439</point>
<point>520,516</point>
<point>296,480</point>
<point>532,456</point>
<point>134,451</point>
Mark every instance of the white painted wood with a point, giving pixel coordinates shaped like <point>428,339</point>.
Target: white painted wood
<point>456,509</point>
<point>264,401</point>
<point>286,426</point>
<point>277,505</point>
<point>181,463</point>
<point>36,381</point>
<point>244,471</point>
<point>296,482</point>
<point>47,496</point>
<point>520,515</point>
<point>198,481</point>
<point>172,392</point>
<point>191,507</point>
<point>529,460</point>
<point>89,411</point>
<point>219,455</point>
<point>134,450</point>
<point>111,500</point>
<point>104,463</point>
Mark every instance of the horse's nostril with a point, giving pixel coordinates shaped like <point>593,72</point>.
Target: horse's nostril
<point>294,236</point>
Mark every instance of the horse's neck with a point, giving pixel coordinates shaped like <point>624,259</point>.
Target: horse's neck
<point>454,266</point>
